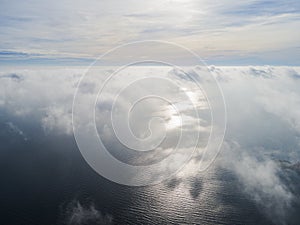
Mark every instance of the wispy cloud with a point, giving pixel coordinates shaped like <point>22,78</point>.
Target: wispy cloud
<point>85,30</point>
<point>78,214</point>
<point>260,180</point>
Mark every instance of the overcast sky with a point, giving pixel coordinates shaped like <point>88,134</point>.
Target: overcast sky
<point>222,32</point>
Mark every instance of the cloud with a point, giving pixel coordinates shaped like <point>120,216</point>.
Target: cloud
<point>13,76</point>
<point>263,127</point>
<point>285,99</point>
<point>217,31</point>
<point>260,179</point>
<point>78,214</point>
<point>40,96</point>
<point>263,124</point>
<point>15,129</point>
<point>57,120</point>
<point>264,113</point>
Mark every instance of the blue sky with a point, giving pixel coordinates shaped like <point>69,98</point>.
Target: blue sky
<point>221,32</point>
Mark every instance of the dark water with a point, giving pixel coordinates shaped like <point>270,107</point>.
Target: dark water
<point>40,179</point>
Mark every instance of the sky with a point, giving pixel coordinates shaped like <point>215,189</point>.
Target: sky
<point>249,32</point>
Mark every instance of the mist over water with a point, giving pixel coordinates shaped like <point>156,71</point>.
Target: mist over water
<point>254,180</point>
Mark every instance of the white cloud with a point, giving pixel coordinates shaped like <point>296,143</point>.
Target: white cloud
<point>78,214</point>
<point>57,120</point>
<point>43,95</point>
<point>260,180</point>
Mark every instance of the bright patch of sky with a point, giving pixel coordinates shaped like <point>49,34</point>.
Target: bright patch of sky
<point>221,32</point>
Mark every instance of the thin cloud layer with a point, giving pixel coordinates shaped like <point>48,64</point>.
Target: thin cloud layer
<point>228,32</point>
